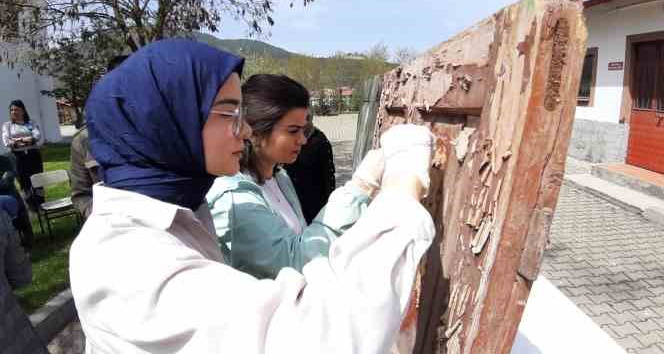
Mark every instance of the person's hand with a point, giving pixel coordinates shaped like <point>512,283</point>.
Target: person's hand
<point>369,172</point>
<point>408,151</point>
<point>17,142</point>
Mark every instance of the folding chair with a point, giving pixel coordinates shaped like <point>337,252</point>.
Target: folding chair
<point>55,208</point>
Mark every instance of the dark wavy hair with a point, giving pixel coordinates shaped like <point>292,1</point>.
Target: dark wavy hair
<point>267,98</point>
<point>19,103</point>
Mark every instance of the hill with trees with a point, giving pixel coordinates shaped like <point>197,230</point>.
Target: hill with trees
<point>323,76</point>
<point>244,47</point>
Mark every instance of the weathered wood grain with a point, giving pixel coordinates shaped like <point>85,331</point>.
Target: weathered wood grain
<point>500,97</point>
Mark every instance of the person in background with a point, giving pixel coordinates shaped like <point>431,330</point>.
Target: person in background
<point>24,139</point>
<point>16,332</point>
<point>84,170</point>
<point>257,215</point>
<point>313,173</point>
<point>13,200</point>
<point>146,271</point>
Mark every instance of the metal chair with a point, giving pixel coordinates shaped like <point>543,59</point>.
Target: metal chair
<point>55,208</point>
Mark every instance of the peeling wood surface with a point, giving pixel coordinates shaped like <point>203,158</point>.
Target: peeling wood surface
<point>500,97</point>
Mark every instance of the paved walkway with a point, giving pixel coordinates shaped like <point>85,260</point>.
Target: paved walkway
<point>610,263</point>
<point>338,128</point>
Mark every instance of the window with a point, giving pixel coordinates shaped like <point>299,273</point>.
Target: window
<point>649,76</point>
<point>587,87</point>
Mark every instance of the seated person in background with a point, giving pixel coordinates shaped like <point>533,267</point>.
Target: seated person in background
<point>84,169</point>
<point>257,216</point>
<point>16,333</point>
<point>313,173</point>
<point>20,219</point>
<point>9,205</point>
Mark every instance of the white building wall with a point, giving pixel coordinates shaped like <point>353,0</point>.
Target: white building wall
<point>25,85</point>
<point>598,135</point>
<point>608,31</point>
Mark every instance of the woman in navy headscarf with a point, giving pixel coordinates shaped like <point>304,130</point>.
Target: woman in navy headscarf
<point>146,271</point>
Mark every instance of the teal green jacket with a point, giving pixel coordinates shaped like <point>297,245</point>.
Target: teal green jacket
<point>254,238</point>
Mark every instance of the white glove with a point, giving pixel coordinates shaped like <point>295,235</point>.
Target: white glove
<point>369,172</point>
<point>408,150</point>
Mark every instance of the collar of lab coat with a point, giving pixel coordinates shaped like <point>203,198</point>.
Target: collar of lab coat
<point>149,211</point>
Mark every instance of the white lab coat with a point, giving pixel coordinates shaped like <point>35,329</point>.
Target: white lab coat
<point>148,277</point>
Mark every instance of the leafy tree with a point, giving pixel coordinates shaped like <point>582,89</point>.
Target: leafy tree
<point>46,33</point>
<point>76,66</point>
<point>335,102</point>
<point>306,70</point>
<point>356,100</point>
<point>262,64</point>
<point>135,22</point>
<point>334,74</point>
<point>404,55</point>
<point>376,61</point>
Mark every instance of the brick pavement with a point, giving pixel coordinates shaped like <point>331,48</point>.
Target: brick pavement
<point>610,263</point>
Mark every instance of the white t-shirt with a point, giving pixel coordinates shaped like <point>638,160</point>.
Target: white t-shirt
<point>277,200</point>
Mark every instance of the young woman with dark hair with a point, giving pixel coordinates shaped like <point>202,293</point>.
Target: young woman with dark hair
<point>146,271</point>
<point>257,214</point>
<point>313,173</point>
<point>23,138</point>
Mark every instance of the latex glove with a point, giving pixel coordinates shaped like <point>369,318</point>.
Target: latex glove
<point>408,150</point>
<point>369,172</point>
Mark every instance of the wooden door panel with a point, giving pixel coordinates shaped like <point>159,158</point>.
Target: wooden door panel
<point>646,135</point>
<point>500,98</point>
<point>646,140</point>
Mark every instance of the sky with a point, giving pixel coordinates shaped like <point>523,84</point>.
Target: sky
<point>327,26</point>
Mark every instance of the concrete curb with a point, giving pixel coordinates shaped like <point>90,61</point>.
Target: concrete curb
<point>654,214</point>
<point>621,179</point>
<point>603,195</point>
<point>54,316</point>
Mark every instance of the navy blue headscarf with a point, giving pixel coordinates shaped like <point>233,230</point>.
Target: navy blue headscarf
<point>146,118</point>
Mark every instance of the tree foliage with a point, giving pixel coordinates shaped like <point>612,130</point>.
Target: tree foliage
<point>134,22</point>
<point>72,40</point>
<point>404,55</point>
<point>76,66</point>
<point>262,64</point>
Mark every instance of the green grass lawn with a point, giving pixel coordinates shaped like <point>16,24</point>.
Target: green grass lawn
<point>50,256</point>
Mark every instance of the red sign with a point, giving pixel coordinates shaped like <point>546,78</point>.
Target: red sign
<point>616,65</point>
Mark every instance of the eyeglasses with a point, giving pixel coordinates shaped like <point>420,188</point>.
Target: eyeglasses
<point>238,118</point>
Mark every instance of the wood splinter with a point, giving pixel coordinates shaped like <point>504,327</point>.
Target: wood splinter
<point>482,236</point>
